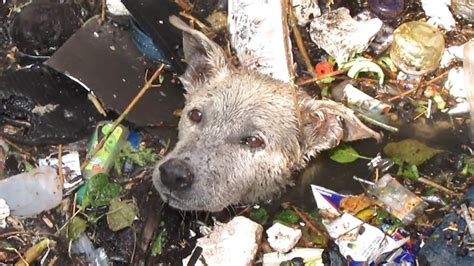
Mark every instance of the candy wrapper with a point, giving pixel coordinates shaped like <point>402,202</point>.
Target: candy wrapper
<point>356,239</point>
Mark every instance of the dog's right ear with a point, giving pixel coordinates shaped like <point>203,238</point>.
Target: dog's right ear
<point>204,57</point>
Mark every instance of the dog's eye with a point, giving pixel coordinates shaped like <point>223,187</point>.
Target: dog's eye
<point>195,115</point>
<point>253,142</point>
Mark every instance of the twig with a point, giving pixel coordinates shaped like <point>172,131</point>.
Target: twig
<point>134,247</point>
<point>405,93</point>
<point>102,12</point>
<point>22,232</point>
<point>318,78</point>
<point>96,104</point>
<point>16,147</point>
<point>60,164</point>
<point>246,209</point>
<point>442,75</point>
<point>299,41</point>
<point>310,223</point>
<point>438,186</point>
<point>52,262</point>
<point>193,19</point>
<point>22,260</point>
<point>184,4</point>
<point>122,116</point>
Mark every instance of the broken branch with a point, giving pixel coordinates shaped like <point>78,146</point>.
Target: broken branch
<point>318,78</point>
<point>122,116</point>
<point>438,186</point>
<point>310,223</point>
<point>299,41</point>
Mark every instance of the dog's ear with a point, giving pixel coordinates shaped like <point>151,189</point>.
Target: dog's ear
<point>326,123</point>
<point>205,58</point>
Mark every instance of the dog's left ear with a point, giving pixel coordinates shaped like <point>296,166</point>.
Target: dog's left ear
<point>326,123</point>
<point>205,58</point>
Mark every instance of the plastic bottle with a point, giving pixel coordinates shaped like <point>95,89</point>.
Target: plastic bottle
<point>103,160</point>
<point>95,257</point>
<point>468,64</point>
<point>417,47</point>
<point>464,8</point>
<point>30,193</point>
<point>387,9</point>
<point>398,200</point>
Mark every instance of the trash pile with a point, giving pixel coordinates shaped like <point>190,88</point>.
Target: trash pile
<point>91,99</point>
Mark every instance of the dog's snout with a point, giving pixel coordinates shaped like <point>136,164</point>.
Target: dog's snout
<point>176,174</point>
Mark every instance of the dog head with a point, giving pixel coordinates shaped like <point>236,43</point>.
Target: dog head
<point>242,133</point>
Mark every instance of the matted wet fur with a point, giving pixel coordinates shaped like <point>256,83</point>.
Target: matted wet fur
<point>239,136</point>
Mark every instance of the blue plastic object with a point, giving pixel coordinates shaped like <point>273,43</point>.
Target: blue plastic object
<point>442,247</point>
<point>145,45</point>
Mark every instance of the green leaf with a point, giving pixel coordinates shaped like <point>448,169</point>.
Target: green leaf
<point>327,80</point>
<point>410,151</point>
<point>159,244</point>
<point>140,157</point>
<point>388,63</point>
<point>75,228</point>
<point>259,215</point>
<point>429,191</point>
<point>343,154</point>
<point>360,64</point>
<point>28,166</point>
<point>121,214</point>
<point>409,171</point>
<point>468,166</point>
<point>99,191</point>
<point>287,217</point>
<point>366,66</point>
<point>325,93</point>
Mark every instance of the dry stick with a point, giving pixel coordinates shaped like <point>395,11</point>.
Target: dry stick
<point>318,78</point>
<point>184,4</point>
<point>438,186</point>
<point>311,225</point>
<point>405,93</point>
<point>299,41</point>
<point>60,164</point>
<point>194,19</point>
<point>16,147</point>
<point>21,232</point>
<point>122,116</point>
<point>442,75</point>
<point>22,260</point>
<point>102,13</point>
<point>286,8</point>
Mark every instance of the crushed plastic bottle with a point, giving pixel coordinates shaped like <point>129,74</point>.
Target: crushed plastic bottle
<point>398,200</point>
<point>95,257</point>
<point>417,47</point>
<point>387,10</point>
<point>464,8</point>
<point>103,160</point>
<point>31,193</point>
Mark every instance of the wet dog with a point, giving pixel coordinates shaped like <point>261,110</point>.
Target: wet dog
<point>242,133</point>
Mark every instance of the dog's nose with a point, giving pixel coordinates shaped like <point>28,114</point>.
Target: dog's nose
<point>176,174</point>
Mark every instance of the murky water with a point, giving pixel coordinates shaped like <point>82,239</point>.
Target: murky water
<point>322,171</point>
